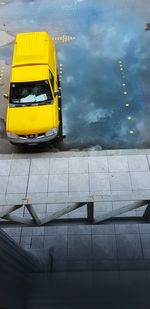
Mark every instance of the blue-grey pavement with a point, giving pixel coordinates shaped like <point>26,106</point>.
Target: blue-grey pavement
<point>78,247</point>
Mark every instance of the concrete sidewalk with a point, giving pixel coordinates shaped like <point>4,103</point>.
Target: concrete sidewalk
<point>106,246</point>
<point>76,173</point>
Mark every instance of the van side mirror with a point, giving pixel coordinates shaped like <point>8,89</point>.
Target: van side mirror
<point>56,92</point>
<point>5,96</point>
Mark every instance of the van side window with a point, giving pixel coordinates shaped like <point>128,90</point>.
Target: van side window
<point>51,77</point>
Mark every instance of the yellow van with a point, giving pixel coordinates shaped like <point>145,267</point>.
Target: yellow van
<point>33,114</point>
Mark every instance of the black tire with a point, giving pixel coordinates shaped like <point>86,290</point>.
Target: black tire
<point>15,144</point>
<point>60,133</point>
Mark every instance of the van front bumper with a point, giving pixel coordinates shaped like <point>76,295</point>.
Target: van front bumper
<point>32,140</point>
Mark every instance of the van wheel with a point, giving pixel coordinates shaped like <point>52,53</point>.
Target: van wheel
<point>60,134</point>
<point>58,81</point>
<point>15,144</point>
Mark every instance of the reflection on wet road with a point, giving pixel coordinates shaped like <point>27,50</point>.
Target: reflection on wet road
<point>105,54</point>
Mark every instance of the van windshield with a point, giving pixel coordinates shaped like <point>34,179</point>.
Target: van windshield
<point>32,92</point>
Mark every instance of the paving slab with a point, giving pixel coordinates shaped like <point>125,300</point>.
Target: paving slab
<point>140,180</point>
<point>38,231</point>
<point>144,228</point>
<point>26,240</point>
<point>62,230</point>
<point>49,242</point>
<point>61,250</point>
<point>19,167</point>
<point>40,166</point>
<point>78,182</point>
<point>145,240</point>
<point>58,183</point>
<point>50,230</point>
<point>14,232</point>
<point>58,166</point>
<point>118,164</point>
<point>99,182</point>
<point>79,247</point>
<point>127,228</point>
<point>129,246</point>
<point>78,165</point>
<point>26,231</point>
<point>103,229</point>
<point>5,167</point>
<point>3,184</point>
<point>79,230</point>
<point>58,251</point>
<point>98,164</point>
<point>37,242</point>
<point>138,163</point>
<point>120,181</point>
<point>16,239</point>
<point>17,184</point>
<point>104,247</point>
<point>38,183</point>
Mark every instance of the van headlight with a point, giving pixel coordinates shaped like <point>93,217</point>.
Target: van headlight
<point>11,135</point>
<point>51,132</point>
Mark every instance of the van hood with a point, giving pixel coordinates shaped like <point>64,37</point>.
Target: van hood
<point>31,119</point>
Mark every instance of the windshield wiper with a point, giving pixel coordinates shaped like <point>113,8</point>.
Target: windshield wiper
<point>20,104</point>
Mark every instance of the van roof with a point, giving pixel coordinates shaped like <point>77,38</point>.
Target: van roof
<point>32,48</point>
<point>27,74</point>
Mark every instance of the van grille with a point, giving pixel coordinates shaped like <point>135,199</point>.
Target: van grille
<point>28,136</point>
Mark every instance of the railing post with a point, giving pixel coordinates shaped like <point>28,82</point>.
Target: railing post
<point>90,211</point>
<point>146,215</point>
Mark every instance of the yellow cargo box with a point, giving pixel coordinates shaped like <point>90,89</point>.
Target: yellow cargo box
<point>33,48</point>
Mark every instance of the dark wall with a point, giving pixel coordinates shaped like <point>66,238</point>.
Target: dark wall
<point>15,268</point>
<point>12,290</point>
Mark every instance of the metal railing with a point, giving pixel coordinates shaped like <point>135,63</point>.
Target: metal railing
<point>71,203</point>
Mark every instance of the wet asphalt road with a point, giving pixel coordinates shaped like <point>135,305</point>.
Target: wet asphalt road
<point>105,55</point>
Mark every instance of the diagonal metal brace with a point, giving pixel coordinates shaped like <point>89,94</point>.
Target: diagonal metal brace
<point>61,212</point>
<point>119,211</point>
<point>14,218</point>
<point>9,210</point>
<point>33,214</point>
